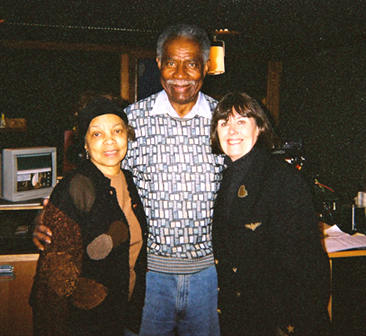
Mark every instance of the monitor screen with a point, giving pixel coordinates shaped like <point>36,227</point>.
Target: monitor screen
<point>34,171</point>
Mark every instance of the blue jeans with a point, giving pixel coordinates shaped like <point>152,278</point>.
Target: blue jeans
<point>184,305</point>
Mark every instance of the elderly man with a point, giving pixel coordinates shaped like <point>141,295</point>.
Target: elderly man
<point>177,177</point>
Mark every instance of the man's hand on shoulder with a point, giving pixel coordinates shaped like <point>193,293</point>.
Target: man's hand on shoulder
<point>41,234</point>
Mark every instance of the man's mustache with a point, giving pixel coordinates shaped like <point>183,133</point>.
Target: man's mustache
<point>180,82</point>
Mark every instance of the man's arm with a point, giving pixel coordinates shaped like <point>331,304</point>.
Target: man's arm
<point>41,234</point>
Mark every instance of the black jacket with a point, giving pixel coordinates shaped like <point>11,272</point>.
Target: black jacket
<point>68,295</point>
<point>272,270</point>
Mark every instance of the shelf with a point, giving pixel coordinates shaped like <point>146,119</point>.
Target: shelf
<point>14,125</point>
<point>24,205</point>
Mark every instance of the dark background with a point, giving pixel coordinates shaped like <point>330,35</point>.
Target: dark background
<point>320,44</point>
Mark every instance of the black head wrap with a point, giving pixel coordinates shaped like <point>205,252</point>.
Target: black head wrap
<point>95,108</point>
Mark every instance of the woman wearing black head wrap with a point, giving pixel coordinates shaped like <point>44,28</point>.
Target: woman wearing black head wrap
<point>91,279</point>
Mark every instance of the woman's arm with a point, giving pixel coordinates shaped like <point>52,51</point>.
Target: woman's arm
<point>60,262</point>
<point>302,264</point>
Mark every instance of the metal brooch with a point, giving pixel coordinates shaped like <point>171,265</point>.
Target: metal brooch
<point>242,192</point>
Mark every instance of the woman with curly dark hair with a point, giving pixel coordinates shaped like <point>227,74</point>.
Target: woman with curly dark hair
<point>273,273</point>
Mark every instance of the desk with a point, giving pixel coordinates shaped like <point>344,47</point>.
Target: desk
<point>341,254</point>
<point>346,254</point>
<point>18,251</point>
<point>16,227</point>
<point>347,306</point>
<point>15,312</point>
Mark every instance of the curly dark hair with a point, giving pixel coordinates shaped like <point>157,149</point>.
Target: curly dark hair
<point>245,106</point>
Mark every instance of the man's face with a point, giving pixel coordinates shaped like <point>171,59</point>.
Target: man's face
<point>182,70</point>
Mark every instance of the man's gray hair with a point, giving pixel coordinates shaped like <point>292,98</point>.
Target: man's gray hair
<point>191,32</point>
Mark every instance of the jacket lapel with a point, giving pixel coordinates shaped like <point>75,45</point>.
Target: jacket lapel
<point>251,185</point>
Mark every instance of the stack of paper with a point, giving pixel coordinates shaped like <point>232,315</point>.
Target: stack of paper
<point>337,240</point>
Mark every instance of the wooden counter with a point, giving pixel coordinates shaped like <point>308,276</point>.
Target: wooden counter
<point>15,312</point>
<point>18,251</point>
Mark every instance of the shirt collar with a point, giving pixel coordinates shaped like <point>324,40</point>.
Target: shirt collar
<point>163,106</point>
